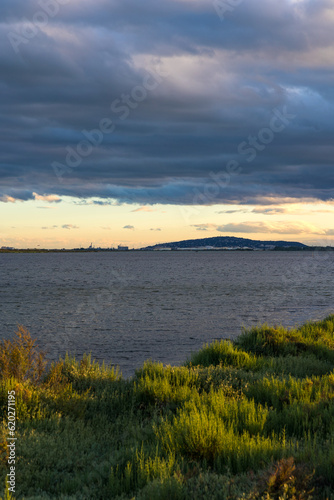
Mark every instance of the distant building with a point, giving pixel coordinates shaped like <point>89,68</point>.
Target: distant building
<point>7,248</point>
<point>120,247</point>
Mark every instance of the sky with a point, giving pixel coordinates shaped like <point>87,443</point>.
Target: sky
<point>135,123</point>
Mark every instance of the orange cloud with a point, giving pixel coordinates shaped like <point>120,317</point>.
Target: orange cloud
<point>7,199</point>
<point>50,198</point>
<point>143,209</point>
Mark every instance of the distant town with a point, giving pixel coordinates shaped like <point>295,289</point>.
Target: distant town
<point>91,248</point>
<point>219,243</point>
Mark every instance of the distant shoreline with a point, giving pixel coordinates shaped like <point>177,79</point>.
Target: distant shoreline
<point>105,250</point>
<point>216,243</point>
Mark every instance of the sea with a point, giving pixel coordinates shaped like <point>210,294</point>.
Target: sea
<point>128,307</point>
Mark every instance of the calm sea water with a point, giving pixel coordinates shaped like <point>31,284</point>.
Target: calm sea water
<point>129,307</point>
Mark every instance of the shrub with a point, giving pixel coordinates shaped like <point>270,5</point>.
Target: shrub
<point>168,489</point>
<point>222,435</point>
<point>315,339</point>
<point>141,470</point>
<point>224,353</point>
<point>285,479</point>
<point>20,358</point>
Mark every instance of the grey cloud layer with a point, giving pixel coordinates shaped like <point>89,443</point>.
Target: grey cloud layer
<point>224,81</point>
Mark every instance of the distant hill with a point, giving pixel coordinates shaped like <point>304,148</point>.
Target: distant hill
<point>229,242</point>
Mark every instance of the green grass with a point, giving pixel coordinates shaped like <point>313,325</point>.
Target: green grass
<point>253,419</point>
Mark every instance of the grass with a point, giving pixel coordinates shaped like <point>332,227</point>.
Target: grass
<point>253,419</point>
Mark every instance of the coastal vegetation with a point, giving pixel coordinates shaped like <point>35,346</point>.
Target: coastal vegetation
<point>250,419</point>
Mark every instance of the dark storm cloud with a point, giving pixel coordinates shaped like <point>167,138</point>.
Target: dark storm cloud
<point>173,141</point>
